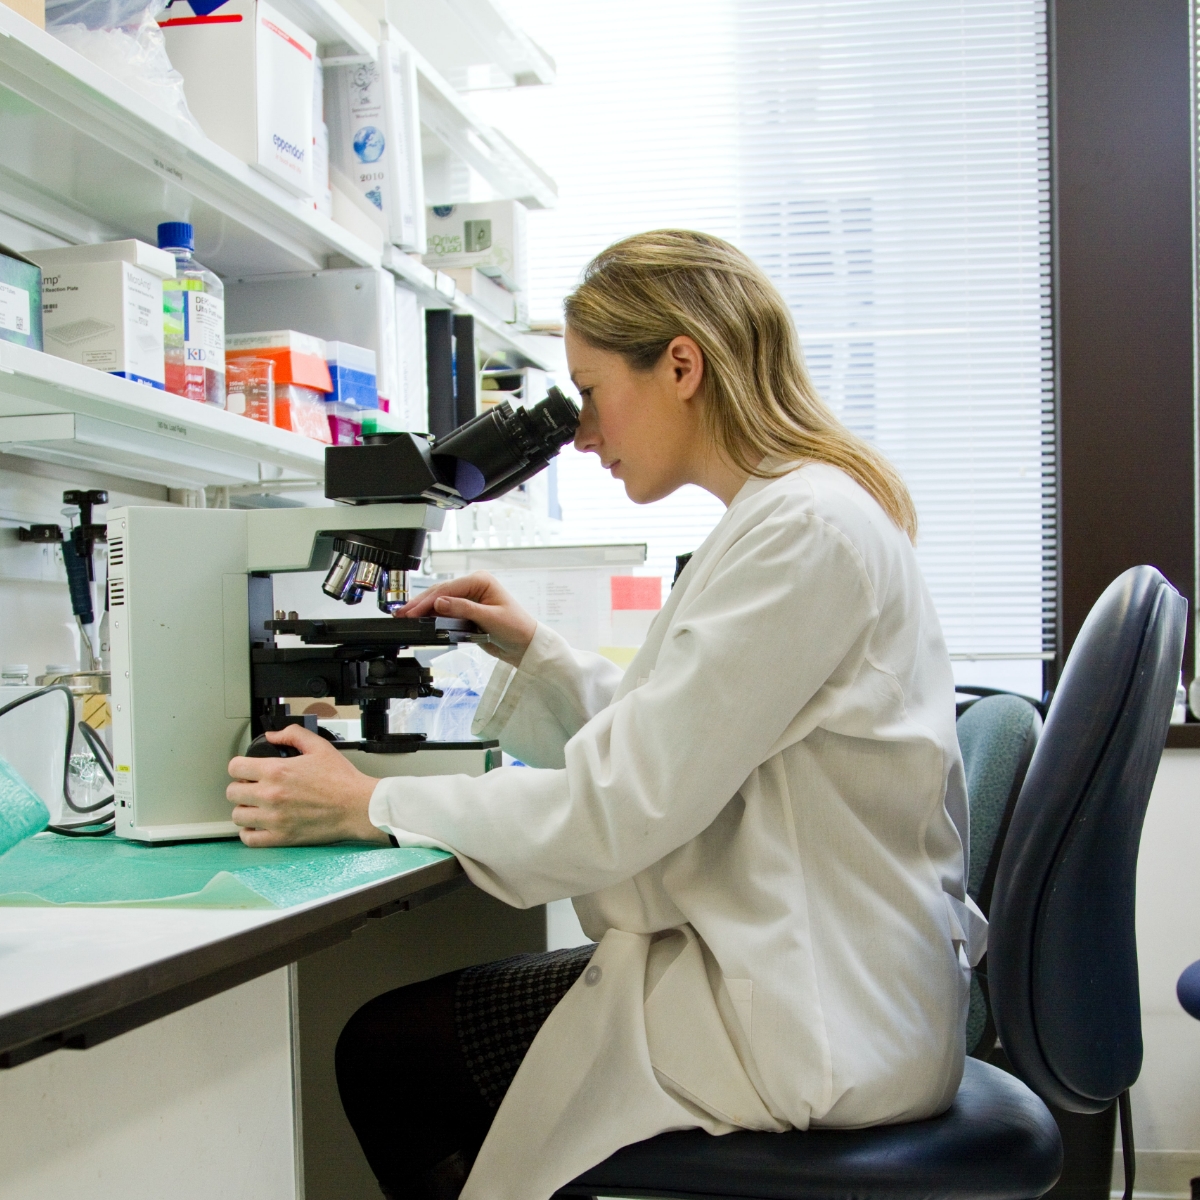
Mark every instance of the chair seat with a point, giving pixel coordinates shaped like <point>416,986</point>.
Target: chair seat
<point>997,1141</point>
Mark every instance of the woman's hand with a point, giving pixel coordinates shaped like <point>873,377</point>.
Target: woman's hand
<point>316,798</point>
<point>478,597</point>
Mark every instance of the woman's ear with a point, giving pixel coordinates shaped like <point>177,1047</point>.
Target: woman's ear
<point>686,362</point>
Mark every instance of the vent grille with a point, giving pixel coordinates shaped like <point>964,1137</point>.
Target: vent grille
<point>116,552</point>
<point>116,593</point>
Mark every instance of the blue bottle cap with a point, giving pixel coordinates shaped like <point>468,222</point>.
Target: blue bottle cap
<point>176,234</point>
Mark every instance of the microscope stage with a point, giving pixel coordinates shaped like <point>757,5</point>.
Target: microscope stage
<point>381,631</point>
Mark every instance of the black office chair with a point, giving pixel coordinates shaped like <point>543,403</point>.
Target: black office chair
<point>1063,961</point>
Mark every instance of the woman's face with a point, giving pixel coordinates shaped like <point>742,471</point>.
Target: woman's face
<point>645,426</point>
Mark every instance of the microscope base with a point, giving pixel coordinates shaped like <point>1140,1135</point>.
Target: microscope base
<point>434,758</point>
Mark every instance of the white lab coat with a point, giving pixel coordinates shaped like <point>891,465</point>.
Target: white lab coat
<point>763,823</point>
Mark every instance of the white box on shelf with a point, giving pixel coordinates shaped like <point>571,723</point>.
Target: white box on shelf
<point>485,291</point>
<point>102,307</point>
<point>374,136</point>
<point>411,404</point>
<point>248,77</point>
<point>490,235</point>
<point>321,191</point>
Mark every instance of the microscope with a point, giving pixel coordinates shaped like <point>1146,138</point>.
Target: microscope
<point>202,660</point>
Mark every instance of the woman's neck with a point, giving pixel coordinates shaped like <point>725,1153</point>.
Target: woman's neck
<point>716,474</point>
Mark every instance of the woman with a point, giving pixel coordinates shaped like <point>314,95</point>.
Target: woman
<point>762,823</point>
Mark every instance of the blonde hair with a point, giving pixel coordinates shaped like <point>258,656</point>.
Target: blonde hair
<point>641,293</point>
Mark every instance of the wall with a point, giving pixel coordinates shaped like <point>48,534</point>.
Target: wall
<point>38,627</point>
<point>1166,1099</point>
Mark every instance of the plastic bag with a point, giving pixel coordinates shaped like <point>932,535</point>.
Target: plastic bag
<point>461,675</point>
<point>22,813</point>
<point>123,37</point>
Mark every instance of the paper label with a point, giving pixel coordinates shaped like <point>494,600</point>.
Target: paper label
<point>143,325</point>
<point>204,331</point>
<point>364,96</point>
<point>14,309</point>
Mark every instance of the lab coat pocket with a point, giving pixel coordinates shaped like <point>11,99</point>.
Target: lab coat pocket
<point>690,1048</point>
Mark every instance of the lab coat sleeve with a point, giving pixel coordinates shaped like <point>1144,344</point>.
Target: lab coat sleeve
<point>783,619</point>
<point>535,709</point>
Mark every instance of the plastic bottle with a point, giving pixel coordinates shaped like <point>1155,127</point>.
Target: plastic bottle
<point>193,321</point>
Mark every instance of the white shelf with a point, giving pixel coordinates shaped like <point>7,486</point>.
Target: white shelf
<point>330,25</point>
<point>452,120</point>
<point>61,412</point>
<point>443,112</point>
<point>86,158</point>
<point>458,35</point>
<point>435,289</point>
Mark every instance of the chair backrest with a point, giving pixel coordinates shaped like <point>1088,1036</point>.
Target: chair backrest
<point>1062,953</point>
<point>997,736</point>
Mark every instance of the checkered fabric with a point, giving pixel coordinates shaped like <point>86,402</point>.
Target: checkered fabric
<point>500,1006</point>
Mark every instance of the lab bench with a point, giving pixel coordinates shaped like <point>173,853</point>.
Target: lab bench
<point>189,1052</point>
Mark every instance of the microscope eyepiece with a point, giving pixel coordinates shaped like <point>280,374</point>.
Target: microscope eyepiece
<point>503,447</point>
<point>481,460</point>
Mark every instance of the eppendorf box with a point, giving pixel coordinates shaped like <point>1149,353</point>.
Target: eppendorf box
<point>248,77</point>
<point>102,306</point>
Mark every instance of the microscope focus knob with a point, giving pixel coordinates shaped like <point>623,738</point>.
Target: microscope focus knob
<point>261,748</point>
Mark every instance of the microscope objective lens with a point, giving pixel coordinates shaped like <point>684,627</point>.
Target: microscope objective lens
<point>367,576</point>
<point>339,575</point>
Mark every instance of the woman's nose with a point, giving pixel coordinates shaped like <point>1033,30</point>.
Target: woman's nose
<point>587,436</point>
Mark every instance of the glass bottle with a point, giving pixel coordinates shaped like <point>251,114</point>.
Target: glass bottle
<point>14,675</point>
<point>193,321</point>
<point>251,388</point>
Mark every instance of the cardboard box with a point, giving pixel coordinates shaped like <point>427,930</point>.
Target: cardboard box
<point>248,78</point>
<point>31,10</point>
<point>374,138</point>
<point>490,235</point>
<point>102,306</point>
<point>20,299</point>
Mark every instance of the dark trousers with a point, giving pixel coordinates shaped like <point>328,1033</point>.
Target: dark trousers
<point>423,1069</point>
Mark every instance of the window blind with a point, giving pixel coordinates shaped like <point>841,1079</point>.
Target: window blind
<point>887,165</point>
